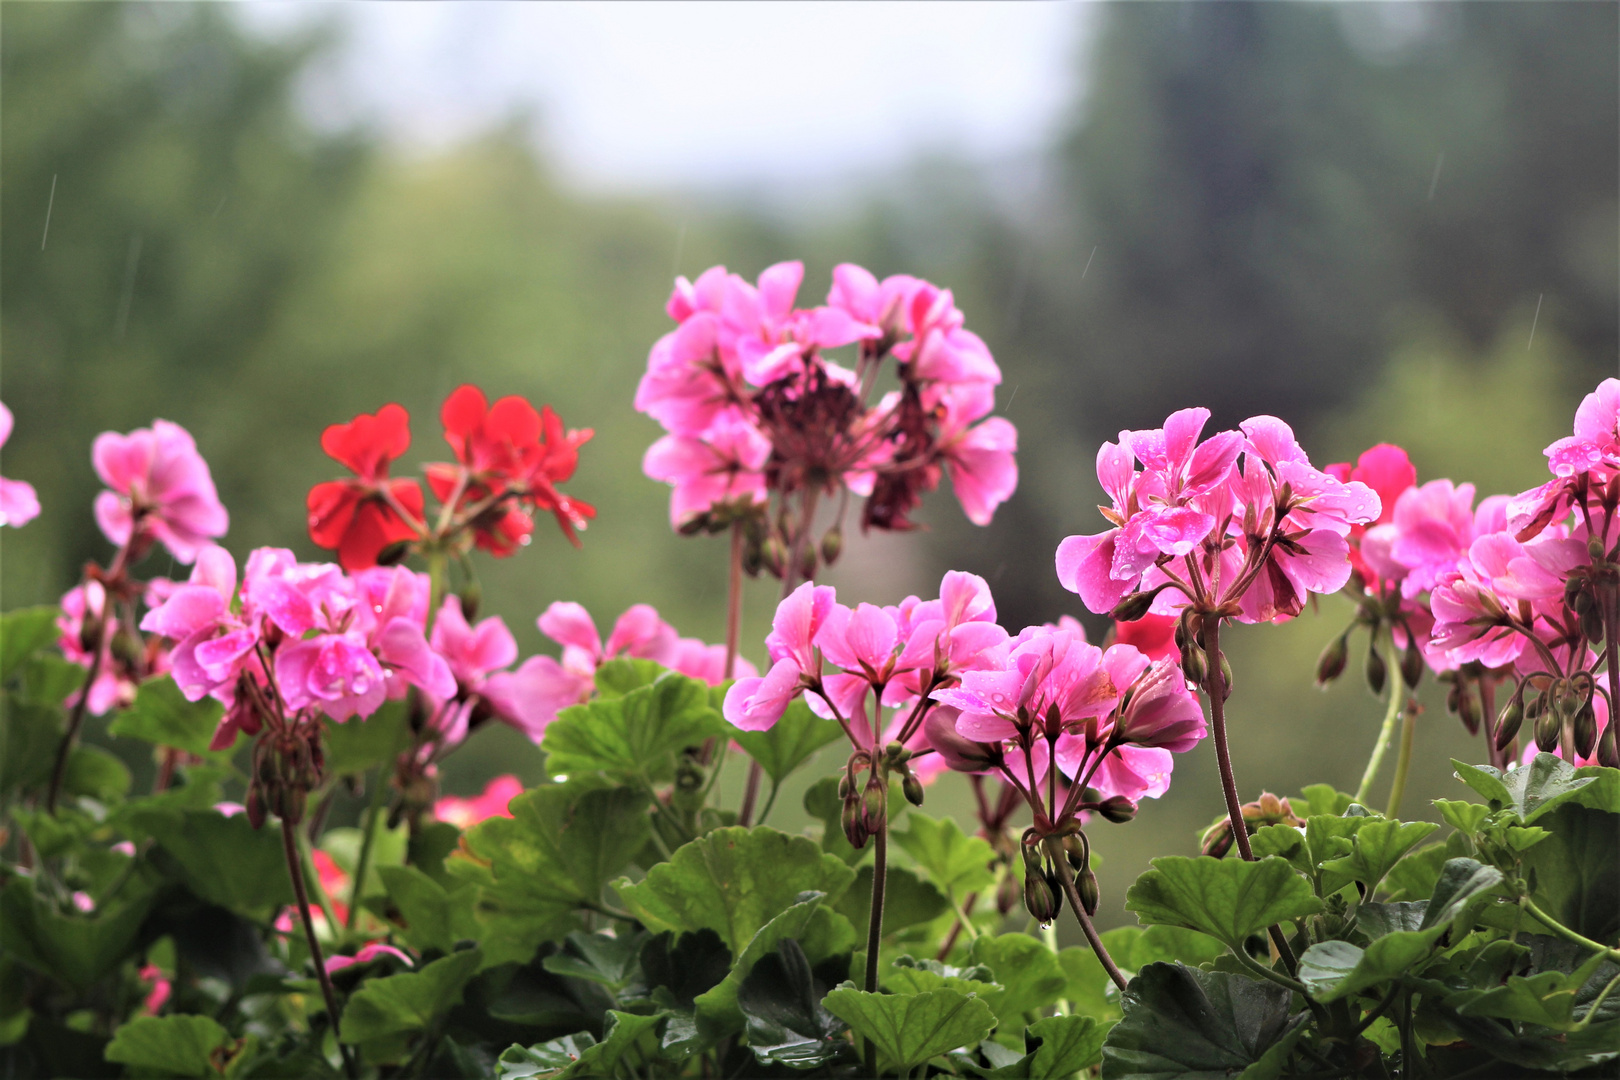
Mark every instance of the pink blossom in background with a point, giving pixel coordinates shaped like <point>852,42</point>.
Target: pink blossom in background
<point>111,689</point>
<point>18,503</point>
<point>160,987</point>
<point>723,467</point>
<point>465,813</point>
<point>368,952</point>
<point>157,478</point>
<point>1154,636</point>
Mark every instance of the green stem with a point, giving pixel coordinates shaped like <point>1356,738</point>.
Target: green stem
<point>438,569</point>
<point>962,916</point>
<point>874,928</point>
<point>368,841</point>
<point>314,879</point>
<point>1049,936</point>
<point>1386,733</point>
<point>295,870</point>
<point>1566,933</point>
<point>1403,762</point>
<point>1060,859</point>
<point>770,801</point>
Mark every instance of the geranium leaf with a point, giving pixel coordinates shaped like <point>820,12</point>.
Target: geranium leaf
<point>1337,969</point>
<point>1376,920</point>
<point>433,917</point>
<point>168,1045</point>
<point>785,1020</point>
<point>222,859</point>
<point>161,715</point>
<point>358,745</point>
<point>1321,799</point>
<point>1374,851</point>
<point>1182,1022</point>
<point>1576,870</point>
<point>408,1001</point>
<point>790,742</point>
<point>607,959</point>
<point>545,1059</point>
<point>1068,1044</point>
<point>734,881</point>
<point>1531,790</point>
<point>907,900</point>
<point>1030,973</point>
<point>75,949</point>
<point>29,736</point>
<point>1228,899</point>
<point>1091,992</point>
<point>909,1029</point>
<point>22,633</point>
<point>627,1039</point>
<point>616,678</point>
<point>957,863</point>
<point>1414,877</point>
<point>633,735</point>
<point>1460,881</point>
<point>805,921</point>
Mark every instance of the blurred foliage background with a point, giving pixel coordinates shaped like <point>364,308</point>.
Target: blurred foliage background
<point>1300,209</point>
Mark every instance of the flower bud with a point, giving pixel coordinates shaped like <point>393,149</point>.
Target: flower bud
<point>1330,665</point>
<point>1117,809</point>
<point>913,789</point>
<point>1226,677</point>
<point>773,554</point>
<point>1575,594</point>
<point>1594,548</point>
<point>1090,894</point>
<point>1217,839</point>
<point>807,563</point>
<point>393,554</point>
<point>832,545</point>
<point>955,749</point>
<point>1133,607</point>
<point>1412,668</point>
<point>1592,624</point>
<point>1608,753</point>
<point>1377,671</point>
<point>1032,856</point>
<point>1194,665</point>
<point>472,597</point>
<point>873,801</point>
<point>1548,727</point>
<point>855,830</point>
<point>845,786</point>
<point>255,807</point>
<point>1586,731</point>
<point>1078,850</point>
<point>1508,721</point>
<point>1468,708</point>
<point>1039,899</point>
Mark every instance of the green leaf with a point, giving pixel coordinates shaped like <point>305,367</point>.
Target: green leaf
<point>1068,1044</point>
<point>358,745</point>
<point>627,1040</point>
<point>1331,837</point>
<point>609,960</point>
<point>434,917</point>
<point>29,736</point>
<point>1465,817</point>
<point>1375,849</point>
<point>616,678</point>
<point>1376,920</point>
<point>805,921</point>
<point>222,859</point>
<point>1577,870</point>
<point>907,900</point>
<point>734,881</point>
<point>1284,841</point>
<point>959,864</point>
<point>1029,971</point>
<point>96,773</point>
<point>1321,800</point>
<point>632,736</point>
<point>790,742</point>
<point>1547,998</point>
<point>1228,899</point>
<point>1603,793</point>
<point>48,679</point>
<point>1337,969</point>
<point>1181,1022</point>
<point>76,949</point>
<point>781,1002</point>
<point>909,1029</point>
<point>1531,790</point>
<point>1090,991</point>
<point>908,975</point>
<point>561,845</point>
<point>168,1045</point>
<point>162,715</point>
<point>1414,877</point>
<point>409,1001</point>
<point>1461,880</point>
<point>22,633</point>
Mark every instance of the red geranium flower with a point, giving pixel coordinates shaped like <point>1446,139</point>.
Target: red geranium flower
<point>360,517</point>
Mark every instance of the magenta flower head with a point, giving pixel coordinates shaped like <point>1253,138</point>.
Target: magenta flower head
<point>756,703</point>
<point>160,489</point>
<point>18,503</point>
<point>213,644</point>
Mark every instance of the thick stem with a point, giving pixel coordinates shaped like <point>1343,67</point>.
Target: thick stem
<point>1387,732</point>
<point>745,813</point>
<point>295,870</point>
<point>1066,874</point>
<point>438,571</point>
<point>874,928</point>
<point>1402,763</point>
<point>1487,705</point>
<point>1215,690</point>
<point>76,718</point>
<point>1567,934</point>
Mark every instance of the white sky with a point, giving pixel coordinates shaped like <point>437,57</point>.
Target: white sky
<point>637,96</point>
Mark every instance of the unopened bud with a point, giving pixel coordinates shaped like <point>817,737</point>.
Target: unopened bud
<point>1575,594</point>
<point>1217,839</point>
<point>472,597</point>
<point>1594,548</point>
<point>1468,709</point>
<point>1608,752</point>
<point>1032,856</point>
<point>1412,667</point>
<point>855,830</point>
<point>255,807</point>
<point>1508,721</point>
<point>1039,899</point>
<point>1133,607</point>
<point>873,801</point>
<point>845,786</point>
<point>1592,624</point>
<point>807,563</point>
<point>1226,677</point>
<point>1117,809</point>
<point>1078,850</point>
<point>1377,670</point>
<point>1090,894</point>
<point>1194,665</point>
<point>393,554</point>
<point>832,545</point>
<point>774,556</point>
<point>1330,665</point>
<point>913,789</point>
<point>1586,731</point>
<point>1548,727</point>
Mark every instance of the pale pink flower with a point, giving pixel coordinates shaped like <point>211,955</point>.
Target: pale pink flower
<point>724,466</point>
<point>111,690</point>
<point>756,703</point>
<point>213,644</point>
<point>18,503</point>
<point>160,987</point>
<point>159,480</point>
<point>465,813</point>
<point>367,953</point>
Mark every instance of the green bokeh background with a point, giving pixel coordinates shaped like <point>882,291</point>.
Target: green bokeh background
<point>1237,212</point>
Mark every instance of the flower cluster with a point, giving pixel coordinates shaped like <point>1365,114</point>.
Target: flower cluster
<point>509,461</point>
<point>754,408</point>
<point>18,503</point>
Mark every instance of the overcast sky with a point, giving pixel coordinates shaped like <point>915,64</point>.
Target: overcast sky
<point>638,96</point>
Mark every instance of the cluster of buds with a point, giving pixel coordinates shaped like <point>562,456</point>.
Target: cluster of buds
<point>866,805</point>
<point>1557,707</point>
<point>769,542</point>
<point>1376,612</point>
<point>1268,809</point>
<point>287,765</point>
<point>1044,879</point>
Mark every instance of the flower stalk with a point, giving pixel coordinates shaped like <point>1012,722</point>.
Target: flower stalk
<point>1386,733</point>
<point>295,871</point>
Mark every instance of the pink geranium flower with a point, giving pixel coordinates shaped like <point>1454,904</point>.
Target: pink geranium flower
<point>724,466</point>
<point>160,483</point>
<point>18,503</point>
<point>465,813</point>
